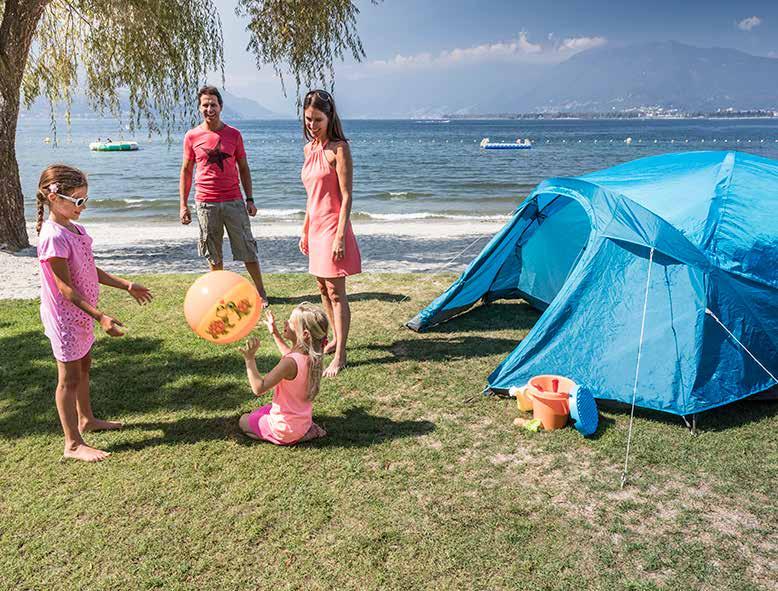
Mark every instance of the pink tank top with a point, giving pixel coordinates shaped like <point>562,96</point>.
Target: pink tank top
<point>291,413</point>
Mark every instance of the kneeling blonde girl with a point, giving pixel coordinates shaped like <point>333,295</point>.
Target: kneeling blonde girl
<point>296,378</point>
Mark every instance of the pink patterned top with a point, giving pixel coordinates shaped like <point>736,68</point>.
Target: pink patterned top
<point>70,329</point>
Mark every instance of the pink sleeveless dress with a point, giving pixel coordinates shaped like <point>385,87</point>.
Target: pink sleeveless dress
<point>290,415</point>
<point>324,200</point>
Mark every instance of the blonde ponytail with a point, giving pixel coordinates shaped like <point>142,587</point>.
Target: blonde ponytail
<point>310,324</point>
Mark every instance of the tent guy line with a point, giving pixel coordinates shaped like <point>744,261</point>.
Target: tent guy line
<point>637,370</point>
<point>710,313</point>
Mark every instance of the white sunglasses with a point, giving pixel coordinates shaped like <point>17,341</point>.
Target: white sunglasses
<point>78,202</point>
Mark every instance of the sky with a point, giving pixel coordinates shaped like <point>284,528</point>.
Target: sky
<point>423,56</point>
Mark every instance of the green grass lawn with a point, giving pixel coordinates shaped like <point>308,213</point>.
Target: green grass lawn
<point>421,484</point>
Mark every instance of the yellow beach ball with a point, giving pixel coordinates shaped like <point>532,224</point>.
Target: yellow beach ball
<point>222,307</point>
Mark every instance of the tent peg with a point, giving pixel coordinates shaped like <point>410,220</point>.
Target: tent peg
<point>691,426</point>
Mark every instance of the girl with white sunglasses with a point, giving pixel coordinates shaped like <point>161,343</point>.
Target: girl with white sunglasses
<point>70,286</point>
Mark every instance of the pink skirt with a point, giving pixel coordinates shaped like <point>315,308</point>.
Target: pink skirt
<point>258,424</point>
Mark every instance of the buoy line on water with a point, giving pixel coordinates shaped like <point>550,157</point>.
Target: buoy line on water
<point>600,141</point>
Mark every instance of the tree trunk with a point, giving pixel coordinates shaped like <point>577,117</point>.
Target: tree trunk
<point>20,19</point>
<point>13,231</point>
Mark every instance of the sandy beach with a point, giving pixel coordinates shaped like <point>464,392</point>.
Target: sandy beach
<point>414,247</point>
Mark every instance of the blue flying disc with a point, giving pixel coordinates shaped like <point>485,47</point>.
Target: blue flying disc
<point>583,410</point>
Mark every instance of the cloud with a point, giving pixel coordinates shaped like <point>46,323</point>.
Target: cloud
<point>475,54</point>
<point>773,54</point>
<point>578,44</point>
<point>520,49</point>
<point>749,23</point>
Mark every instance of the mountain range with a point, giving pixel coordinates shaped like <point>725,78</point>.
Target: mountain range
<point>235,107</point>
<point>611,78</point>
<point>667,74</point>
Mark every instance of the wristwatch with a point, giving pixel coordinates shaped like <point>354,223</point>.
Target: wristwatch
<point>249,200</point>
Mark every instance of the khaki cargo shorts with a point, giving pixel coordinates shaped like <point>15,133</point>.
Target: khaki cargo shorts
<point>214,217</point>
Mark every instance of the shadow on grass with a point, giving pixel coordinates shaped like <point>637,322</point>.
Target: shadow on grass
<point>517,316</point>
<point>496,316</point>
<point>603,425</point>
<point>736,414</point>
<point>131,375</point>
<point>355,428</point>
<point>366,296</point>
<point>438,349</point>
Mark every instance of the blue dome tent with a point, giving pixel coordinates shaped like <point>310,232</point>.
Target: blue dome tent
<point>673,255</point>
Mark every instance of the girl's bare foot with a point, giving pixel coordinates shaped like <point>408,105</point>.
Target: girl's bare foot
<point>98,425</point>
<point>330,348</point>
<point>334,367</point>
<point>85,453</point>
<point>314,432</point>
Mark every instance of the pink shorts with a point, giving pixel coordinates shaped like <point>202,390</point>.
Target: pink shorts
<point>258,425</point>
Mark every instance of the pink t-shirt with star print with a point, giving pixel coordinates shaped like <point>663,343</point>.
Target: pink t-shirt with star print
<point>216,155</point>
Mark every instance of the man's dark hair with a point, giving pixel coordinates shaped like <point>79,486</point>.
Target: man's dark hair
<point>212,90</point>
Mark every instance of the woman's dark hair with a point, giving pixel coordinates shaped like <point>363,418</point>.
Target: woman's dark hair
<point>323,101</point>
<point>213,91</point>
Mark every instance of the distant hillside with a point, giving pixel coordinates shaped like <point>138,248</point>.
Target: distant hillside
<point>667,74</point>
<point>235,107</point>
<point>238,107</point>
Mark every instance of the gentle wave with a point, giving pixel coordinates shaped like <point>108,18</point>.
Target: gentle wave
<point>428,215</point>
<point>296,214</point>
<point>156,206</point>
<point>400,195</point>
<point>131,203</point>
<point>511,186</point>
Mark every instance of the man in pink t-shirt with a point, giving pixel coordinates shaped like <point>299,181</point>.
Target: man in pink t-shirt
<point>221,168</point>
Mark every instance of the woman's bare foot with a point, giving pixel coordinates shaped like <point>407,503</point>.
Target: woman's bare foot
<point>334,367</point>
<point>85,453</point>
<point>98,425</point>
<point>314,432</point>
<point>330,348</point>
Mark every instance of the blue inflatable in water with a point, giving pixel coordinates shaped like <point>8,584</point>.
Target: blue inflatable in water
<point>674,254</point>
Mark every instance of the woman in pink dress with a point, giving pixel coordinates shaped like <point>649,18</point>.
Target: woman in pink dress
<point>327,238</point>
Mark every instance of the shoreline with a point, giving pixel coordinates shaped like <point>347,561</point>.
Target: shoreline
<point>419,246</point>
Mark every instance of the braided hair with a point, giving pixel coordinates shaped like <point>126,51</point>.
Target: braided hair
<point>66,178</point>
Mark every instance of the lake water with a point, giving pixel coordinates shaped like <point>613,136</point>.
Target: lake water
<point>402,169</point>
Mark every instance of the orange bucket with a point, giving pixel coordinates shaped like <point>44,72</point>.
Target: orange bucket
<point>550,400</point>
<point>551,384</point>
<point>551,409</point>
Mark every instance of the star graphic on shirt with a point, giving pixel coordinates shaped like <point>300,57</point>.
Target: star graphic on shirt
<point>216,156</point>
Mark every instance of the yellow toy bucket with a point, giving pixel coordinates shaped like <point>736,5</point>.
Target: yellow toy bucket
<point>523,398</point>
